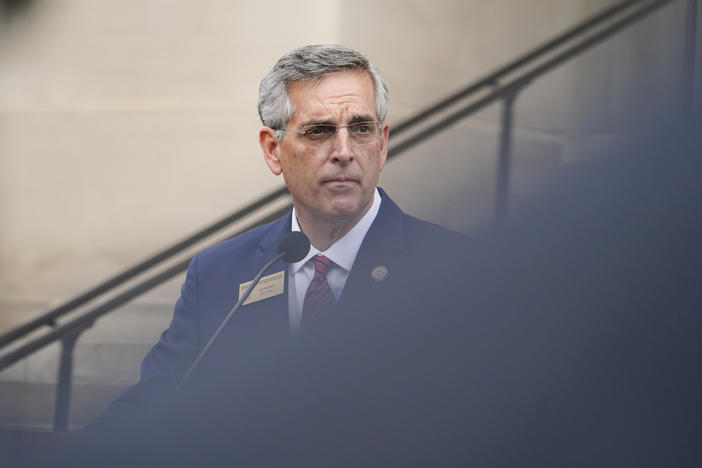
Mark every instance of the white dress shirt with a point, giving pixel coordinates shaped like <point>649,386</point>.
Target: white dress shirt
<point>343,253</point>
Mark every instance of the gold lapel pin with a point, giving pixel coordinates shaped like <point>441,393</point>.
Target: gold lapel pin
<point>380,273</point>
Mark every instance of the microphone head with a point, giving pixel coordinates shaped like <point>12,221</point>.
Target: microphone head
<point>296,245</point>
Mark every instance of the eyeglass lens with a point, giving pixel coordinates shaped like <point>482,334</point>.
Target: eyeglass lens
<point>362,133</point>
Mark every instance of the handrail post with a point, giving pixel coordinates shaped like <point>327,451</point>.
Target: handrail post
<point>689,72</point>
<point>504,157</point>
<point>63,387</point>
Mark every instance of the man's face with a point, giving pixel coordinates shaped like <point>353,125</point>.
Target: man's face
<point>333,183</point>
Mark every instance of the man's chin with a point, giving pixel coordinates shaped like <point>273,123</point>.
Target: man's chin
<point>347,208</point>
<point>343,211</point>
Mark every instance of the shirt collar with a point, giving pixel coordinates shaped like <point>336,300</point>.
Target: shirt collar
<point>343,252</point>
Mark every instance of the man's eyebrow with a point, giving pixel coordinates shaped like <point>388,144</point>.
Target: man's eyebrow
<point>362,118</point>
<point>317,122</point>
<point>355,118</point>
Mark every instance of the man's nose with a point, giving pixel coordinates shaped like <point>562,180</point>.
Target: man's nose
<point>342,150</point>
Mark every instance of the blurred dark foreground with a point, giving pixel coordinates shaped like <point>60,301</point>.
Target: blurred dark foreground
<point>571,337</point>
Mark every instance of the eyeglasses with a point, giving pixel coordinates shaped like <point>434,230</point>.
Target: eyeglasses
<point>361,133</point>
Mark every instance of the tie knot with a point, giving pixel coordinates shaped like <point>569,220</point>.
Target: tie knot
<point>321,264</point>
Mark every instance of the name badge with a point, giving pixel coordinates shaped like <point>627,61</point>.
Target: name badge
<point>269,286</point>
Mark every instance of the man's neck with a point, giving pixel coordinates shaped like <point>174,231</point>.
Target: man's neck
<point>323,233</point>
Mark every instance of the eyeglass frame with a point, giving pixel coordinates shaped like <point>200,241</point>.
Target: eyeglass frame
<point>301,131</point>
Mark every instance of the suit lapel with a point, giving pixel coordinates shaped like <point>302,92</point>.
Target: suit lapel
<point>266,319</point>
<point>380,248</point>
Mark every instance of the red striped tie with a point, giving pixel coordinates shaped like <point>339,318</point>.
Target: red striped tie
<point>319,300</point>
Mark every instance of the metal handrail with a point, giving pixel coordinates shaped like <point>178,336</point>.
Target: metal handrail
<point>88,318</point>
<point>506,92</point>
<point>493,78</point>
<point>50,317</point>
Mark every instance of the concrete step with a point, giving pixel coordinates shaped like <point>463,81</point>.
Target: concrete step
<point>30,405</point>
<point>109,352</point>
<point>20,447</point>
<point>106,361</point>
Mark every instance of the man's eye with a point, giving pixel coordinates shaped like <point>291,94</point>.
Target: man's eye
<point>319,131</point>
<point>362,128</point>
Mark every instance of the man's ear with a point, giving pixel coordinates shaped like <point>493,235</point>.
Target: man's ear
<point>384,145</point>
<point>271,149</point>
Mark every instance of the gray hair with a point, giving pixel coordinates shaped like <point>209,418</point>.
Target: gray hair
<point>310,63</point>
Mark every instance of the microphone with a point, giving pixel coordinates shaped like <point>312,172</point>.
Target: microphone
<point>295,245</point>
<point>292,248</point>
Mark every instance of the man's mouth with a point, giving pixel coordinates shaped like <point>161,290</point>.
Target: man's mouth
<point>339,180</point>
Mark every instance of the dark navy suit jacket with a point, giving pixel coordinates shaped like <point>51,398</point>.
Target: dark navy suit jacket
<point>401,243</point>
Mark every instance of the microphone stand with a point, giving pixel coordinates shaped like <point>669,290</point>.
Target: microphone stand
<point>226,320</point>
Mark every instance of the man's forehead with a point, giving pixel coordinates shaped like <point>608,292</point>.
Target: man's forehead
<point>360,75</point>
<point>350,92</point>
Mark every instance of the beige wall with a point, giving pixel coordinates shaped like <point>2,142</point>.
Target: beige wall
<point>125,125</point>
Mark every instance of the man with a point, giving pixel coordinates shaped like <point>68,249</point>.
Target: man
<point>576,342</point>
<point>323,109</point>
